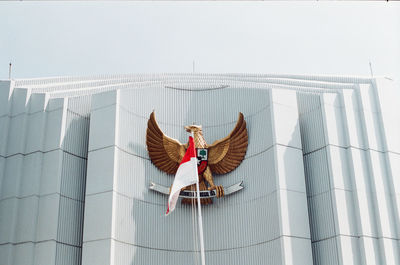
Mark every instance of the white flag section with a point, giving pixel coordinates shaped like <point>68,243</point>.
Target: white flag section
<point>185,175</point>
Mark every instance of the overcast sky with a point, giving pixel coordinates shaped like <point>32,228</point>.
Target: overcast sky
<point>73,38</point>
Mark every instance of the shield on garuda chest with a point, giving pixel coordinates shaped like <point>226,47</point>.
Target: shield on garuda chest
<point>202,160</point>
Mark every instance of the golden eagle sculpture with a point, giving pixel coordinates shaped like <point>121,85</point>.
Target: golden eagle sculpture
<point>221,157</point>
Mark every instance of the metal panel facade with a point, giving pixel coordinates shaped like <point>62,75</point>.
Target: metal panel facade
<point>321,174</point>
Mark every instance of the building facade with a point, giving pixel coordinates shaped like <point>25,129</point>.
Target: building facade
<point>321,175</point>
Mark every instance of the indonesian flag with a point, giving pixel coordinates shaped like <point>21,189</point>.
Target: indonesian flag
<point>185,175</point>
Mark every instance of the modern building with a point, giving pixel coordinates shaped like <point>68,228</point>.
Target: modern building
<point>321,175</point>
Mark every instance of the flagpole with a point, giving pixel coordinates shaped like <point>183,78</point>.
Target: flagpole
<point>203,257</point>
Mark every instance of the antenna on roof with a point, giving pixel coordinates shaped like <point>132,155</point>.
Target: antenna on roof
<point>370,69</point>
<point>193,66</point>
<point>9,71</point>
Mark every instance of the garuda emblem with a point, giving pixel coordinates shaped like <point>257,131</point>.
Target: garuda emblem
<point>221,157</point>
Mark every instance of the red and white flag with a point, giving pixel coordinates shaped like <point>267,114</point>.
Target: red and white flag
<point>185,175</point>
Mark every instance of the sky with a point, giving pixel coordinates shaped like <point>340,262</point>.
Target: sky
<point>44,39</point>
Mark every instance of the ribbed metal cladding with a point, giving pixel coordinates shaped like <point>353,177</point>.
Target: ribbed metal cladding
<point>73,181</point>
<point>259,254</point>
<point>136,218</point>
<point>311,122</point>
<point>349,138</point>
<point>76,134</point>
<point>241,229</point>
<point>318,179</point>
<point>368,177</point>
<point>43,82</point>
<point>317,172</point>
<point>33,133</point>
<point>322,223</point>
<point>2,168</point>
<point>77,126</point>
<point>325,252</point>
<point>66,254</point>
<point>4,128</point>
<point>73,177</point>
<point>70,222</point>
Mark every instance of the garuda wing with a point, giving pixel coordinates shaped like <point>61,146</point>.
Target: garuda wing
<point>166,153</point>
<point>226,154</point>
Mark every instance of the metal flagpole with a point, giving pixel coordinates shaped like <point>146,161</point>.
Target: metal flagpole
<point>203,257</point>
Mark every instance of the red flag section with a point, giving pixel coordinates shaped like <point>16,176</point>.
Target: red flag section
<point>185,175</point>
